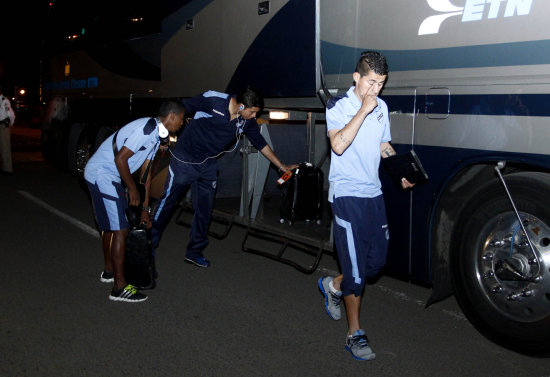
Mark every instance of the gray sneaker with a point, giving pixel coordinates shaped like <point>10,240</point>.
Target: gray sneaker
<point>358,345</point>
<point>332,301</point>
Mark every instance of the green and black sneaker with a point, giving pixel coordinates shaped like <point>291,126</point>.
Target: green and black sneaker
<point>128,294</point>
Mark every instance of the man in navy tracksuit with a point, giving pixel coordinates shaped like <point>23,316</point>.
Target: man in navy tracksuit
<point>219,120</point>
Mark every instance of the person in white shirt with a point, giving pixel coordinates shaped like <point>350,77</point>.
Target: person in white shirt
<point>7,118</point>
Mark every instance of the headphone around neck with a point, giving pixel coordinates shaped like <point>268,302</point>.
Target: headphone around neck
<point>164,135</point>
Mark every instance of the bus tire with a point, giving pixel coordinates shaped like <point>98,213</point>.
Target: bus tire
<point>511,311</point>
<point>102,134</point>
<point>84,150</point>
<point>72,145</point>
<point>55,144</point>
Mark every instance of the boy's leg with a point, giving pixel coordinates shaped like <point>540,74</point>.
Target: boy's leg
<point>177,182</point>
<point>202,192</point>
<point>353,307</point>
<point>118,249</point>
<point>5,148</point>
<point>107,239</point>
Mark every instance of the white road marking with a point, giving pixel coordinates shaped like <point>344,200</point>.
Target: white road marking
<point>79,224</point>
<point>88,229</point>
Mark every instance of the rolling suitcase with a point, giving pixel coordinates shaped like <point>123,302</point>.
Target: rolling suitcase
<point>138,260</point>
<point>301,196</point>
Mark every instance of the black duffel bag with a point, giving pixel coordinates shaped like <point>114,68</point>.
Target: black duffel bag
<point>138,260</point>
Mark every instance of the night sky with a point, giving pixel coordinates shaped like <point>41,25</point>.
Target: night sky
<point>25,23</point>
<point>21,40</point>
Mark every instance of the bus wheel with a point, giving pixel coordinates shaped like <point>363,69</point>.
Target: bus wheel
<point>72,145</point>
<point>84,150</point>
<point>501,285</point>
<point>102,134</point>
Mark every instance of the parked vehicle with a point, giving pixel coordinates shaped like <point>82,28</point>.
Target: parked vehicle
<point>468,89</point>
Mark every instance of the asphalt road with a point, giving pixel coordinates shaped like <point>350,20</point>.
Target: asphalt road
<point>244,316</point>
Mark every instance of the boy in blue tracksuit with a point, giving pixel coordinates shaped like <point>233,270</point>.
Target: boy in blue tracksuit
<point>219,121</point>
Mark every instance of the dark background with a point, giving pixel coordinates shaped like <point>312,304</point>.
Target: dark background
<point>22,24</point>
<point>28,29</point>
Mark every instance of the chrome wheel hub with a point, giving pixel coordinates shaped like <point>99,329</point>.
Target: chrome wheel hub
<point>514,279</point>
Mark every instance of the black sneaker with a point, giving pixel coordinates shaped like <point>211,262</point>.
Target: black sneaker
<point>107,277</point>
<point>128,294</point>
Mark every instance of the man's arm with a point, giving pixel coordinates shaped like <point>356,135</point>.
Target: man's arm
<point>145,213</point>
<point>341,139</point>
<point>270,155</point>
<point>386,150</point>
<point>11,113</point>
<point>121,162</point>
<point>147,180</point>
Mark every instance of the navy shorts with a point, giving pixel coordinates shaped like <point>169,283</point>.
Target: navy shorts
<point>109,203</point>
<point>361,237</point>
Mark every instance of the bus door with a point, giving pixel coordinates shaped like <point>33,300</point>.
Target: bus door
<point>429,135</point>
<point>418,119</point>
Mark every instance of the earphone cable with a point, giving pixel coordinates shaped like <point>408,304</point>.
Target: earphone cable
<point>239,127</point>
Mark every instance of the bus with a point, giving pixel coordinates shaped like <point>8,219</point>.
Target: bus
<point>468,89</point>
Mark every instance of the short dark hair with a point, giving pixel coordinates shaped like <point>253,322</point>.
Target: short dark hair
<point>169,106</point>
<point>250,97</point>
<point>372,61</point>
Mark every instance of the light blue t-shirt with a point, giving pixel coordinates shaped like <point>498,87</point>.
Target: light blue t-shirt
<point>140,136</point>
<point>355,172</point>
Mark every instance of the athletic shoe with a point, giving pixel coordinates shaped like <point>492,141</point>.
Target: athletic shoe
<point>332,301</point>
<point>107,277</point>
<point>128,294</point>
<point>358,345</point>
<point>198,261</point>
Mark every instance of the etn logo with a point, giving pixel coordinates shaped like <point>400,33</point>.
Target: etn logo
<point>473,10</point>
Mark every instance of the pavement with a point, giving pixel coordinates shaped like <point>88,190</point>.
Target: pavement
<point>246,315</point>
<point>25,143</point>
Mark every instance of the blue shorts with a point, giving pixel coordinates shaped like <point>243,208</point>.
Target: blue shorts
<point>109,203</point>
<point>361,238</point>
